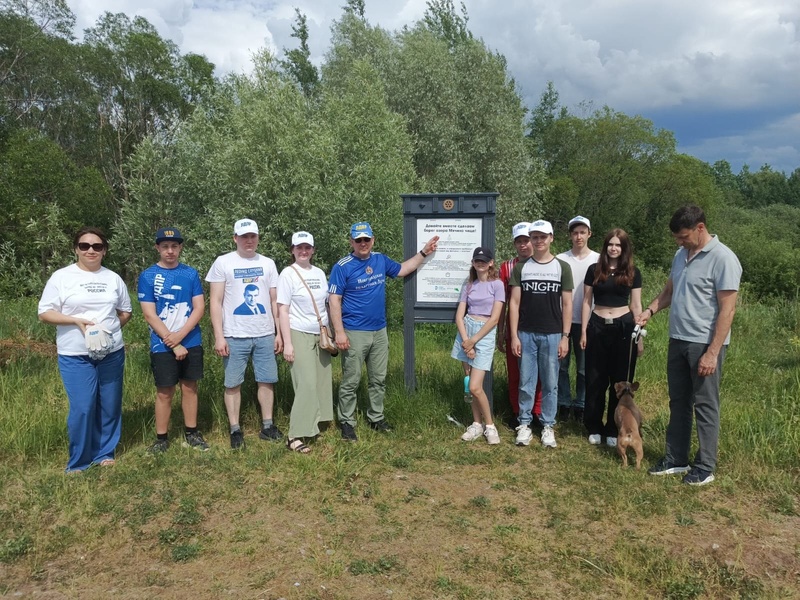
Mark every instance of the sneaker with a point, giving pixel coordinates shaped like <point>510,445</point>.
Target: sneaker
<point>611,442</point>
<point>563,413</point>
<point>524,435</point>
<point>548,437</point>
<point>698,477</point>
<point>491,435</point>
<point>348,432</point>
<point>473,432</point>
<point>195,440</point>
<point>577,415</point>
<point>595,439</point>
<point>271,433</point>
<point>664,467</point>
<point>237,440</point>
<point>159,447</point>
<point>381,426</point>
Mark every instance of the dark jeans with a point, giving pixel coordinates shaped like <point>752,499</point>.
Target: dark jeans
<point>608,352</point>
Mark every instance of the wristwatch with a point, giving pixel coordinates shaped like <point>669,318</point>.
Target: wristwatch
<point>423,254</point>
<point>565,335</point>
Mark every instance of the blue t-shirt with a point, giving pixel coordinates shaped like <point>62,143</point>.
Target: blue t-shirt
<point>172,291</point>
<point>362,286</point>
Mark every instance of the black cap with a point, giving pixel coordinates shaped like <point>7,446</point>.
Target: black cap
<point>482,254</point>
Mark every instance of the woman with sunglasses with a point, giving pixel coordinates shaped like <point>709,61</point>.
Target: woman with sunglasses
<point>614,285</point>
<point>89,305</point>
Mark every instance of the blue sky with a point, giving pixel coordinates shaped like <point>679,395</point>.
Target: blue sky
<point>723,75</point>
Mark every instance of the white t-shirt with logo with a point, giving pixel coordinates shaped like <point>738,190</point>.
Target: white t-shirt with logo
<point>294,294</point>
<point>92,295</point>
<point>579,267</point>
<point>246,306</point>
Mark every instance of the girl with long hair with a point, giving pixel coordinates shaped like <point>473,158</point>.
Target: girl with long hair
<point>477,315</point>
<point>614,285</point>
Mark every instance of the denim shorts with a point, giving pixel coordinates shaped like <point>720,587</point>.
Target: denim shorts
<point>484,349</point>
<point>262,349</point>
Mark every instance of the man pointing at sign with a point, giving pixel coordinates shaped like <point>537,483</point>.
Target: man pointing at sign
<point>357,288</point>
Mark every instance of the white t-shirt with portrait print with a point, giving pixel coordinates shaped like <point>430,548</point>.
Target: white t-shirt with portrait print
<point>294,294</point>
<point>92,295</point>
<point>245,279</point>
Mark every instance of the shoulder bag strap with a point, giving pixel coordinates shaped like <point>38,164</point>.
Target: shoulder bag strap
<point>310,293</point>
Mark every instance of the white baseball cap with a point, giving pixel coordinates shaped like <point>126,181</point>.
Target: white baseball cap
<point>541,227</point>
<point>520,229</point>
<point>243,226</point>
<point>302,237</point>
<point>579,220</point>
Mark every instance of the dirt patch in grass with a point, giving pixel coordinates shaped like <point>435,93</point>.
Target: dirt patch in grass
<point>520,524</point>
<point>13,349</point>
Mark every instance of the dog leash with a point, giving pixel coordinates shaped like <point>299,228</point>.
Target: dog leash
<point>636,336</point>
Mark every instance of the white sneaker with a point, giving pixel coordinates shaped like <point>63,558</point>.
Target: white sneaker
<point>548,437</point>
<point>524,435</point>
<point>491,434</point>
<point>595,439</point>
<point>611,442</point>
<point>473,432</point>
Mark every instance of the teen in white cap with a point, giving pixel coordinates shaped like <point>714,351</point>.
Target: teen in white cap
<point>540,314</point>
<point>247,331</point>
<point>579,257</point>
<point>520,236</point>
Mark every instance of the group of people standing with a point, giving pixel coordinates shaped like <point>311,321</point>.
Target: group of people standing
<point>256,314</point>
<point>594,301</point>
<point>542,304</point>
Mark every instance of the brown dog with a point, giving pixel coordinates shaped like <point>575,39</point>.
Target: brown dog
<point>629,422</point>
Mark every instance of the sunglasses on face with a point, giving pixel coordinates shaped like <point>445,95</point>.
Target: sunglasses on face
<point>84,247</point>
<point>363,240</point>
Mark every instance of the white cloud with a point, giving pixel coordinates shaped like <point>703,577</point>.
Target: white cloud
<point>637,56</point>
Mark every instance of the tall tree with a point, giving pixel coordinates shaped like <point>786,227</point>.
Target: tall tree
<point>298,60</point>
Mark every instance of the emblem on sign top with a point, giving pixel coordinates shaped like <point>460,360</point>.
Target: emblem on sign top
<point>448,204</point>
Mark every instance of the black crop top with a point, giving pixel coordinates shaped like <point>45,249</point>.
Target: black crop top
<point>609,293</point>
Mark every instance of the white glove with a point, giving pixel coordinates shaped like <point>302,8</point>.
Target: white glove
<point>98,341</point>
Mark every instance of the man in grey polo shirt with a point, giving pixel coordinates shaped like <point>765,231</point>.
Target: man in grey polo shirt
<point>702,290</point>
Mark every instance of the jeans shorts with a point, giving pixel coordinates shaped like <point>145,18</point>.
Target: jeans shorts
<point>484,349</point>
<point>167,370</point>
<point>262,349</point>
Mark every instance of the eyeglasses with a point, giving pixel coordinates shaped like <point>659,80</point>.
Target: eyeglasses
<point>84,247</point>
<point>363,240</point>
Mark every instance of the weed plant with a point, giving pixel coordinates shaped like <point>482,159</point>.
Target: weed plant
<point>413,514</point>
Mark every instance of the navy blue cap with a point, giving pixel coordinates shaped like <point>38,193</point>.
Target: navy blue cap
<point>168,234</point>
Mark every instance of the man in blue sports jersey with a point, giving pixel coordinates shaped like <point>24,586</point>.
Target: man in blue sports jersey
<point>171,297</point>
<point>357,296</point>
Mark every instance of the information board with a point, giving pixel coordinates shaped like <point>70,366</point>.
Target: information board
<point>442,275</point>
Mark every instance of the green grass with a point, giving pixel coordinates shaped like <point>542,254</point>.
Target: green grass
<point>417,513</point>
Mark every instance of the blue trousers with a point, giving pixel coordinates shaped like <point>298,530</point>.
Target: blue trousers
<point>94,423</point>
<point>539,362</point>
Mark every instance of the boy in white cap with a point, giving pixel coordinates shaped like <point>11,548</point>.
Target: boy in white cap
<point>579,257</point>
<point>540,315</point>
<point>522,244</point>
<point>241,335</point>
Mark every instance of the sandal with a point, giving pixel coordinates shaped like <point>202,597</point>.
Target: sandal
<point>297,445</point>
<point>108,462</point>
